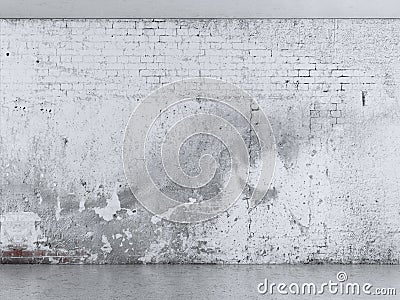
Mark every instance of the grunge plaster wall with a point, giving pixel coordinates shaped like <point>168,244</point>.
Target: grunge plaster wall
<point>329,88</point>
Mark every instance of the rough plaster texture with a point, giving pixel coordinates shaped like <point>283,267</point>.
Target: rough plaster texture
<point>328,87</point>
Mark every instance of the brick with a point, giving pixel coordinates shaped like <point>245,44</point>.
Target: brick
<point>335,113</point>
<point>314,113</point>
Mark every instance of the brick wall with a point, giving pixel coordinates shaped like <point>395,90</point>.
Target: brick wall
<point>328,87</point>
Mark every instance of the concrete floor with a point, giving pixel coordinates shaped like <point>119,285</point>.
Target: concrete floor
<point>181,281</point>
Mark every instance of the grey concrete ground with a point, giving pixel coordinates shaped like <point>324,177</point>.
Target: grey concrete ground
<point>186,281</point>
<point>328,87</point>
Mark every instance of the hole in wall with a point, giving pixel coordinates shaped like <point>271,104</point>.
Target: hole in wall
<point>363,96</point>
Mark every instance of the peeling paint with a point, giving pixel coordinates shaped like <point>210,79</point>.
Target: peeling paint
<point>106,244</point>
<point>155,219</point>
<point>128,234</point>
<point>58,209</point>
<point>113,206</point>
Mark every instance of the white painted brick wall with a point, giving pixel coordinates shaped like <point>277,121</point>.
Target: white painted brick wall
<point>335,193</point>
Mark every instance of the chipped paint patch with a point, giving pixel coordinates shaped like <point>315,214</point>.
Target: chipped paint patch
<point>129,212</point>
<point>93,258</point>
<point>113,205</point>
<point>106,244</point>
<point>89,234</point>
<point>58,209</point>
<point>155,219</point>
<point>82,204</point>
<point>127,233</point>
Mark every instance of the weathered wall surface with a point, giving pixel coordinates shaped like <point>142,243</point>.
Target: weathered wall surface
<point>328,87</point>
